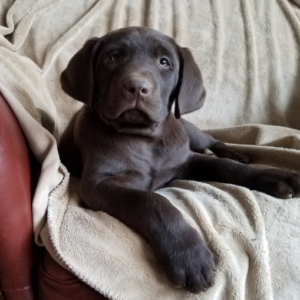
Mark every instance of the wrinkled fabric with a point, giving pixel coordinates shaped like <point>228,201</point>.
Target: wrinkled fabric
<point>248,53</point>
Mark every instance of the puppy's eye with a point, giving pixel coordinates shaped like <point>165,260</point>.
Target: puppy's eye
<point>164,62</point>
<point>115,57</point>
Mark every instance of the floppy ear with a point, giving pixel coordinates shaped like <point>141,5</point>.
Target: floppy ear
<point>190,90</point>
<point>77,80</point>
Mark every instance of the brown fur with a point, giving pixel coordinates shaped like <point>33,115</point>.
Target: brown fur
<point>125,143</point>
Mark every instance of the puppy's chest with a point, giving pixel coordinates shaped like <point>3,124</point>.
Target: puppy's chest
<point>169,152</point>
<point>136,161</point>
<point>157,162</point>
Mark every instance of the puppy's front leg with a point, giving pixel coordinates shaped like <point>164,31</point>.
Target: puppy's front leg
<point>200,140</point>
<point>273,181</point>
<point>179,248</point>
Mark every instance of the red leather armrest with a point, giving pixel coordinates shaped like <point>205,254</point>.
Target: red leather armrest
<point>16,236</point>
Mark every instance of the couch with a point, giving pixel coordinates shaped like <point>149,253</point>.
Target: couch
<point>27,272</point>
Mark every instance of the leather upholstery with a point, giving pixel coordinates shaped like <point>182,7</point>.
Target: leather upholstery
<point>16,239</point>
<point>51,281</point>
<point>57,283</point>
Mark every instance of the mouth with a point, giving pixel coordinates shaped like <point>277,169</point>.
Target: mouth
<point>134,117</point>
<point>133,120</point>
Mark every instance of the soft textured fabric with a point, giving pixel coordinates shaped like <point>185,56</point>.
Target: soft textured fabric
<point>248,52</point>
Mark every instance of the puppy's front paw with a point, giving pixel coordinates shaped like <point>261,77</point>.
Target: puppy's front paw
<point>224,151</point>
<point>276,182</point>
<point>188,262</point>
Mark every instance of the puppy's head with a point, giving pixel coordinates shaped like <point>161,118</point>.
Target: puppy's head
<point>132,76</point>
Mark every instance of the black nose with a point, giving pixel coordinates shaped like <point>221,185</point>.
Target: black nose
<point>138,87</point>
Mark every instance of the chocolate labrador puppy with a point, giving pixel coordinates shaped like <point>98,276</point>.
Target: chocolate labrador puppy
<point>125,143</point>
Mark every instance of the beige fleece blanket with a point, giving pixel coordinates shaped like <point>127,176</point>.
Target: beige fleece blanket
<point>249,54</point>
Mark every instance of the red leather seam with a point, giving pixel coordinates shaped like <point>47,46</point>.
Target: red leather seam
<point>64,282</point>
<point>16,290</point>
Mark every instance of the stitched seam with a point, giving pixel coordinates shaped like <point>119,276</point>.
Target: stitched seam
<point>16,290</point>
<point>71,281</point>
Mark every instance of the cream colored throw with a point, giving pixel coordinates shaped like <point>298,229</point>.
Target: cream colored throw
<point>249,55</point>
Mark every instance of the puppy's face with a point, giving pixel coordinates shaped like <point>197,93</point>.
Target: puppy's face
<point>135,76</point>
<point>131,78</point>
